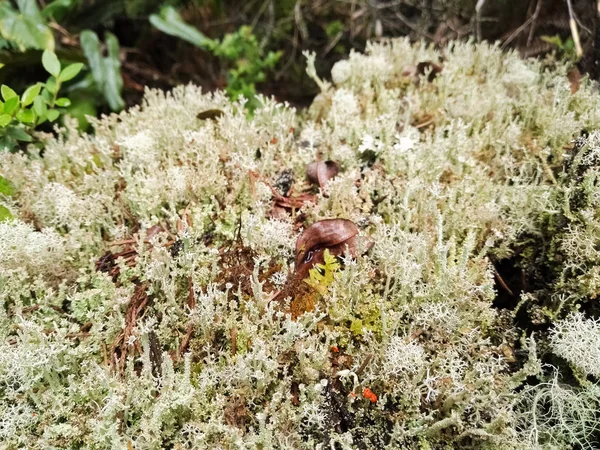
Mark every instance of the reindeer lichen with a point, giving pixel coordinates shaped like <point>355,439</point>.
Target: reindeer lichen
<point>147,290</point>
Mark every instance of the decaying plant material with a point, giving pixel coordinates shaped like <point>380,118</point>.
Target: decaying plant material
<point>176,282</point>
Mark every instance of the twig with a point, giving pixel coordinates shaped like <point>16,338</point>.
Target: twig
<point>185,342</point>
<point>536,13</point>
<point>233,332</point>
<point>478,8</point>
<point>413,27</point>
<point>363,366</point>
<point>574,30</point>
<point>503,283</point>
<point>515,33</point>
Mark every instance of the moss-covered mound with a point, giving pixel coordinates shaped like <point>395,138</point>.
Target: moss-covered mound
<point>150,299</point>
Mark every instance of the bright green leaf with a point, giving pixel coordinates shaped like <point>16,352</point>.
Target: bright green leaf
<point>170,22</point>
<point>30,94</point>
<point>26,116</point>
<point>11,105</point>
<point>63,102</point>
<point>7,92</point>
<point>39,106</point>
<point>51,85</point>
<point>70,72</point>
<point>52,115</point>
<point>6,187</point>
<point>5,119</point>
<point>19,134</point>
<point>47,96</point>
<point>51,63</point>
<point>5,214</point>
<point>26,27</point>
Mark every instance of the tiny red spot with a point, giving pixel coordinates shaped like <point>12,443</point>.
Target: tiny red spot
<point>274,141</point>
<point>334,349</point>
<point>368,394</point>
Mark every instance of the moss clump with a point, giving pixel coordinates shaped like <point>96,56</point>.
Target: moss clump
<point>141,280</point>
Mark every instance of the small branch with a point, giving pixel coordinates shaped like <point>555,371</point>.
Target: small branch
<point>503,283</point>
<point>574,30</point>
<point>536,13</point>
<point>478,8</point>
<point>363,366</point>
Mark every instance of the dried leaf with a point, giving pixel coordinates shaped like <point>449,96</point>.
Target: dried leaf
<point>574,76</point>
<point>431,67</point>
<point>336,235</point>
<point>320,172</point>
<point>421,68</point>
<point>210,114</point>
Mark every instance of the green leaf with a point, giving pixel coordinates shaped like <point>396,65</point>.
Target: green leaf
<point>47,96</point>
<point>63,102</point>
<point>30,9</point>
<point>26,116</point>
<point>170,22</point>
<point>80,108</point>
<point>11,105</point>
<point>51,85</point>
<point>70,72</point>
<point>51,63</point>
<point>30,94</point>
<point>7,92</point>
<point>105,71</point>
<point>112,67</point>
<point>57,9</point>
<point>5,214</point>
<point>39,106</point>
<point>19,134</point>
<point>5,119</point>
<point>52,115</point>
<point>26,28</point>
<point>91,48</point>
<point>6,187</point>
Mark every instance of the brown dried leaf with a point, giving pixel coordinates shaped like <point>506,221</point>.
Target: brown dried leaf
<point>336,235</point>
<point>574,76</point>
<point>320,172</point>
<point>210,114</point>
<point>421,68</point>
<point>431,67</point>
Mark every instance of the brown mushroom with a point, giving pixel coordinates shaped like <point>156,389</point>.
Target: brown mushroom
<point>320,172</point>
<point>336,235</point>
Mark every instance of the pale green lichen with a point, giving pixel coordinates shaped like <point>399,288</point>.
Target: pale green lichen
<point>444,177</point>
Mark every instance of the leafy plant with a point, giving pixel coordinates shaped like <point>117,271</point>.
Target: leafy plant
<point>251,63</point>
<point>106,70</point>
<point>25,27</point>
<point>566,48</point>
<point>6,189</point>
<point>322,275</point>
<point>20,115</point>
<point>240,49</point>
<point>170,22</point>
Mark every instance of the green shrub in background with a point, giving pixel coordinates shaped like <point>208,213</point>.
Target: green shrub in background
<point>27,27</point>
<point>20,115</point>
<point>240,50</point>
